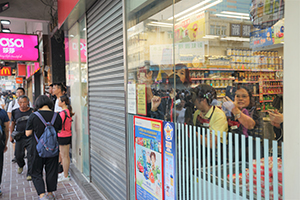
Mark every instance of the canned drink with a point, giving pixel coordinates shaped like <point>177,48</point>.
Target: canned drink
<point>229,52</point>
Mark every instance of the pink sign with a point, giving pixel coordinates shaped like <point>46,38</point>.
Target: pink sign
<point>71,50</point>
<point>19,47</point>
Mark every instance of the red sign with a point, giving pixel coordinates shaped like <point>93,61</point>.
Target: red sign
<point>5,71</point>
<point>19,80</point>
<point>64,8</point>
<point>21,70</point>
<point>18,47</point>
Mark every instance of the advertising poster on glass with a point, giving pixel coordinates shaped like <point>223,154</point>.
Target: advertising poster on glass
<point>148,158</point>
<point>169,161</point>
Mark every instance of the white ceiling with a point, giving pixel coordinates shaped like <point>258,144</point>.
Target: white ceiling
<point>27,16</point>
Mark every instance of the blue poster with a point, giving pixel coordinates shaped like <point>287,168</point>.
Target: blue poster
<point>261,38</point>
<point>169,161</point>
<point>148,158</point>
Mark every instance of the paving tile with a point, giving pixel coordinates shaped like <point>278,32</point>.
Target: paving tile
<point>15,186</point>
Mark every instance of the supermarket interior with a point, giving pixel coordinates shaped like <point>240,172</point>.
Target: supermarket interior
<point>175,46</point>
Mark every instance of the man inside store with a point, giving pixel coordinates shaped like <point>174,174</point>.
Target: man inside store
<point>58,90</point>
<point>18,124</point>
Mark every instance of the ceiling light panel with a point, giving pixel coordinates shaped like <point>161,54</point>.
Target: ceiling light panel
<point>233,16</point>
<point>235,13</point>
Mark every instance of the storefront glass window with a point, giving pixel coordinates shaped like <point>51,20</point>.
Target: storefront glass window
<point>76,68</point>
<point>190,60</point>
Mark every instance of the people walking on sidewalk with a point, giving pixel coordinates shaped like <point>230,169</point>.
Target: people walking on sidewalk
<point>4,122</point>
<point>19,119</point>
<point>65,136</point>
<point>14,105</point>
<point>34,125</point>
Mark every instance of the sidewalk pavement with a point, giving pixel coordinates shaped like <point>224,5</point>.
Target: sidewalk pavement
<point>15,186</point>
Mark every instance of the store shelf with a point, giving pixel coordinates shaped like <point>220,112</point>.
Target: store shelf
<point>272,86</point>
<point>246,81</point>
<point>272,93</point>
<point>267,101</point>
<point>220,97</point>
<point>198,79</point>
<point>230,69</point>
<point>255,95</point>
<point>221,87</point>
<point>272,80</point>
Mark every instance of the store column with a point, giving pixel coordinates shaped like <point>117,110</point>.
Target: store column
<point>292,100</point>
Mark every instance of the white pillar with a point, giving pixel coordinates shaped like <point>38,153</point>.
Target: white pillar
<point>292,100</point>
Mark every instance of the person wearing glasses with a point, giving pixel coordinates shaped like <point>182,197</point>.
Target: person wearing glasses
<point>244,118</point>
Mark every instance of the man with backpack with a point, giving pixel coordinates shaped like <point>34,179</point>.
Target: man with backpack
<point>4,124</point>
<point>17,130</point>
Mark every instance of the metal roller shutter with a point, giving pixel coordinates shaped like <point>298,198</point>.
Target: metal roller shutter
<point>107,98</point>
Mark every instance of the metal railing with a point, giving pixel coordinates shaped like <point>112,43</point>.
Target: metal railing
<point>236,167</point>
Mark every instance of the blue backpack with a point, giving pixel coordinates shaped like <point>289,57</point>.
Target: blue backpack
<point>47,145</point>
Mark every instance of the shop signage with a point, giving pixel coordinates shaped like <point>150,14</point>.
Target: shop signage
<point>279,32</point>
<point>169,161</point>
<point>240,30</point>
<point>131,88</point>
<point>190,29</point>
<point>19,80</point>
<point>71,50</point>
<point>148,158</point>
<point>235,29</point>
<point>19,47</point>
<point>185,52</point>
<point>265,13</point>
<point>64,8</point>
<point>5,71</point>
<point>261,38</point>
<point>141,99</point>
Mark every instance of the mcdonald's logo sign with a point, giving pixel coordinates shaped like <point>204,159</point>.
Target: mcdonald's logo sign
<point>5,71</point>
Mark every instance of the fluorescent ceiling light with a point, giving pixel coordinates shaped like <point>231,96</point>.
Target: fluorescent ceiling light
<point>190,9</point>
<point>6,30</point>
<point>71,35</point>
<point>236,39</point>
<point>210,36</point>
<point>167,26</point>
<point>232,16</point>
<point>6,22</point>
<point>201,9</point>
<point>162,23</point>
<point>84,29</point>
<point>235,13</point>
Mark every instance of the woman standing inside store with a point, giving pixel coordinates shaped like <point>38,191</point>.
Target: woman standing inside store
<point>244,118</point>
<point>43,105</point>
<point>65,136</point>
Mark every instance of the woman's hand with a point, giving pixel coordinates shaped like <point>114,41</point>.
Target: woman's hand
<point>276,117</point>
<point>155,102</point>
<point>230,105</point>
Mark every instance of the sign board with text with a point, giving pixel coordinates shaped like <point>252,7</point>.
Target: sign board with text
<point>19,47</point>
<point>5,71</point>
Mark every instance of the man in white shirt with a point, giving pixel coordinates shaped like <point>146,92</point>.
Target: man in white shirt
<point>14,103</point>
<point>58,90</point>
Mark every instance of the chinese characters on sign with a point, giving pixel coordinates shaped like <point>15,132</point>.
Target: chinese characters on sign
<point>235,29</point>
<point>240,30</point>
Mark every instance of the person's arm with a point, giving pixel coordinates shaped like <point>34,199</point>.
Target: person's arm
<point>11,128</point>
<point>244,119</point>
<point>6,124</point>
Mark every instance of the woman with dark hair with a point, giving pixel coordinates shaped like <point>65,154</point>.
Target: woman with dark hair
<point>244,118</point>
<point>34,125</point>
<point>243,111</point>
<point>65,136</point>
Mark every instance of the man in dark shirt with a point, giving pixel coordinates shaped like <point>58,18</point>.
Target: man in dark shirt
<point>18,123</point>
<point>52,95</point>
<point>3,148</point>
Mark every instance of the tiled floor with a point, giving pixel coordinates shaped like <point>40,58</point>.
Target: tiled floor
<point>16,187</point>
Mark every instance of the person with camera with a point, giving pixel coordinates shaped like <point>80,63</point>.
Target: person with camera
<point>19,119</point>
